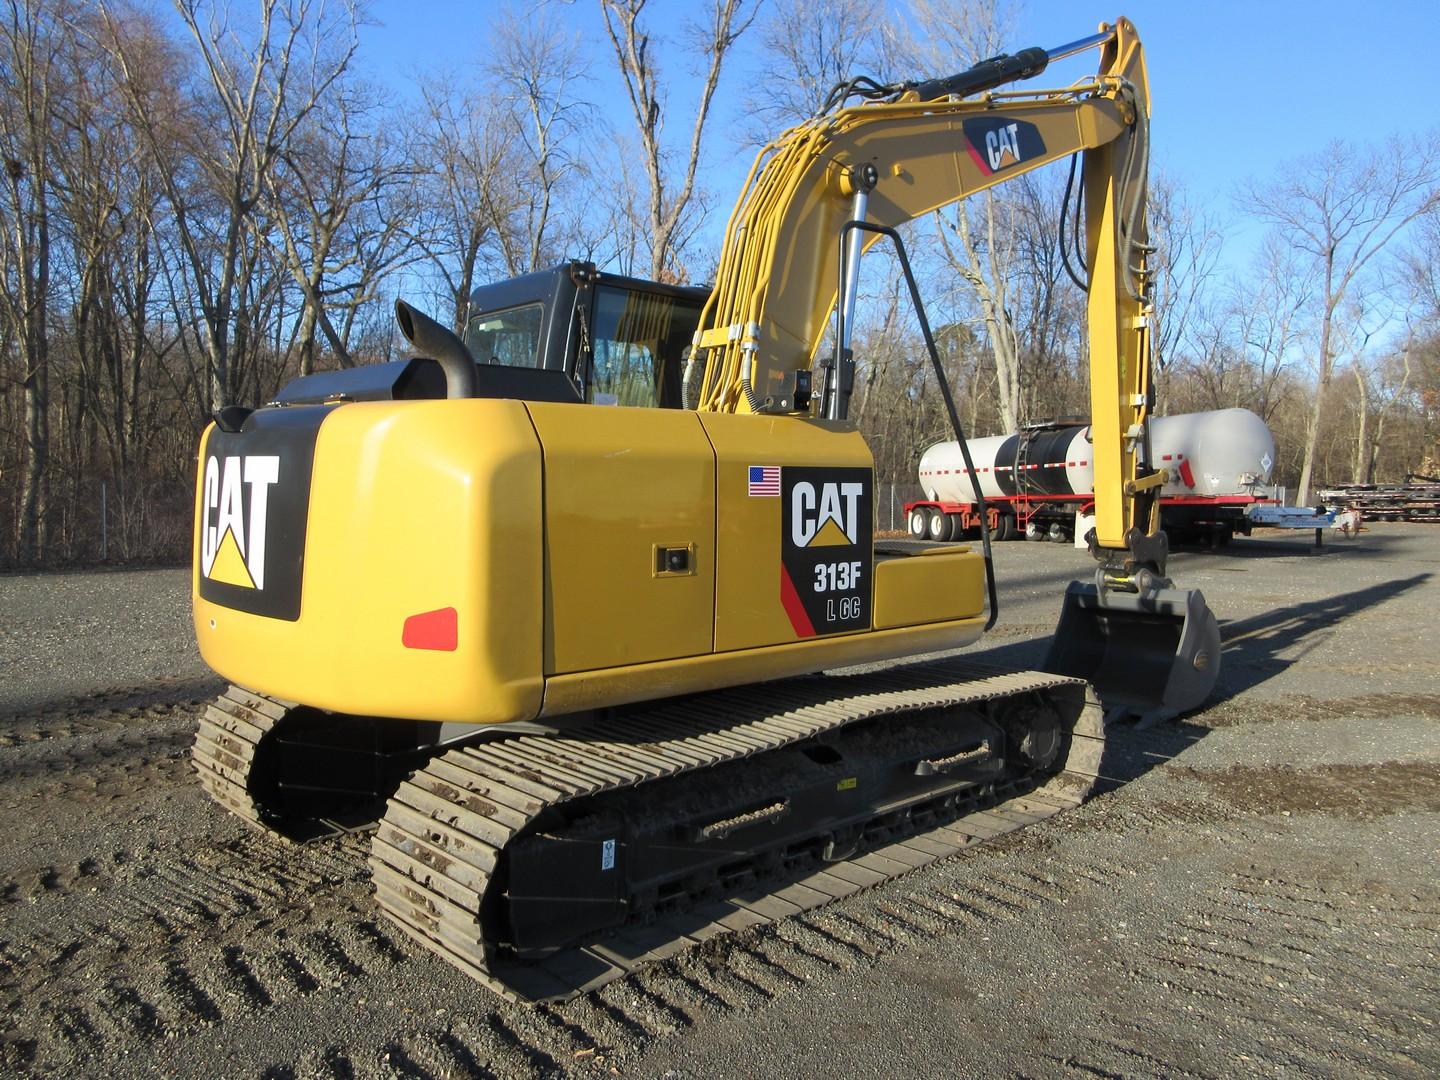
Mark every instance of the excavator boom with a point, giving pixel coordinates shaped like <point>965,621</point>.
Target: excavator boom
<point>1146,646</point>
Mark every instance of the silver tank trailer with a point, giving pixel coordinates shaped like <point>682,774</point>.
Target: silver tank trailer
<point>1220,453</point>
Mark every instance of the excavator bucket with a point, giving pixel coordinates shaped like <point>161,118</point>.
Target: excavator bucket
<point>1154,655</point>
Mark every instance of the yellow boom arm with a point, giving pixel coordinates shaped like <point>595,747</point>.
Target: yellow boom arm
<point>888,163</point>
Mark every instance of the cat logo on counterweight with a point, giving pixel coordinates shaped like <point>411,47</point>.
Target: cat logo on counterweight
<point>236,496</point>
<point>252,509</point>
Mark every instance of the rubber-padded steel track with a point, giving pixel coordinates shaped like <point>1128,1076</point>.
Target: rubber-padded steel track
<point>225,744</point>
<point>439,844</point>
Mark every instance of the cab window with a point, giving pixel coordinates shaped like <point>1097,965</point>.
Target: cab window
<point>637,339</point>
<point>510,338</point>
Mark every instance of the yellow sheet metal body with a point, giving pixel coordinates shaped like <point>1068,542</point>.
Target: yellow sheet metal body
<point>539,525</point>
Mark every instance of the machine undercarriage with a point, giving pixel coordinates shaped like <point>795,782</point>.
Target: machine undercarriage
<point>548,864</point>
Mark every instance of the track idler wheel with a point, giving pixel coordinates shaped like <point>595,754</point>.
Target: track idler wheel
<point>1035,734</point>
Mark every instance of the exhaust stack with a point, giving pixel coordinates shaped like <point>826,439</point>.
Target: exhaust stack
<point>441,345</point>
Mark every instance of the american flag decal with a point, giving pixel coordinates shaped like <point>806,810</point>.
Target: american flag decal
<point>765,480</point>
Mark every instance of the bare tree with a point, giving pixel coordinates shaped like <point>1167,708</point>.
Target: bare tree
<point>1342,208</point>
<point>465,141</point>
<point>1269,314</point>
<point>621,238</point>
<point>536,65</point>
<point>1380,387</point>
<point>333,166</point>
<point>1385,382</point>
<point>260,87</point>
<point>976,237</point>
<point>30,39</point>
<point>670,191</point>
<point>105,200</point>
<point>1419,269</point>
<point>1187,249</point>
<point>981,252</point>
<point>377,240</point>
<point>1235,343</point>
<point>809,46</point>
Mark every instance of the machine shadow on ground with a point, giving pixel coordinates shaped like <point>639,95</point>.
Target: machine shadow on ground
<point>1255,650</point>
<point>1293,543</point>
<point>1258,648</point>
<point>1238,557</point>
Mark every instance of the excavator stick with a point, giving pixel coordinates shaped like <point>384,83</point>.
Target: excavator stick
<point>1153,653</point>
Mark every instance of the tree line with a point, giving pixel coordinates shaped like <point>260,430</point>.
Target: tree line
<point>200,201</point>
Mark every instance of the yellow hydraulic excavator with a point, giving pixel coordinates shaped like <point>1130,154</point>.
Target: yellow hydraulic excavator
<point>562,657</point>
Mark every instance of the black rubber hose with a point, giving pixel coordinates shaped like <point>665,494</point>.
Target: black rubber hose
<point>1064,213</point>
<point>955,425</point>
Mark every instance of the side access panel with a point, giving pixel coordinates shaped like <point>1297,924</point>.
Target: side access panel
<point>795,558</point>
<point>931,585</point>
<point>629,536</point>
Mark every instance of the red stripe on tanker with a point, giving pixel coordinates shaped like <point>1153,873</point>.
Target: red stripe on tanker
<point>1224,452</point>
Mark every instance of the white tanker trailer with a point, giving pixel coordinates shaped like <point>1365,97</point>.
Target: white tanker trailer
<point>1037,481</point>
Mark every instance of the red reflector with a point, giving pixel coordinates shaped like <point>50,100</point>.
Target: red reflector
<point>437,630</point>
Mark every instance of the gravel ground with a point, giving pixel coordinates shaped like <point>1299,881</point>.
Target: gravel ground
<point>79,633</point>
<point>1259,900</point>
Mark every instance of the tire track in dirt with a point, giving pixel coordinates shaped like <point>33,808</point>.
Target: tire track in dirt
<point>730,976</point>
<point>109,710</point>
<point>186,936</point>
<point>99,747</point>
<point>174,933</point>
<point>191,936</point>
<point>177,902</point>
<point>1233,966</point>
<point>753,969</point>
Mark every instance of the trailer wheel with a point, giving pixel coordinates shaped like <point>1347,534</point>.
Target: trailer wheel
<point>920,523</point>
<point>1006,529</point>
<point>942,527</point>
<point>1057,533</point>
<point>1034,530</point>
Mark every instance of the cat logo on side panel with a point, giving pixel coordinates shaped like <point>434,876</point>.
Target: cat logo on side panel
<point>829,517</point>
<point>827,521</point>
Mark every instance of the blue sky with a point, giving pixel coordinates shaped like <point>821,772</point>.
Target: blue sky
<point>1238,89</point>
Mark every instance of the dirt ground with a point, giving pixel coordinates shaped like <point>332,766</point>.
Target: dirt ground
<point>1260,900</point>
